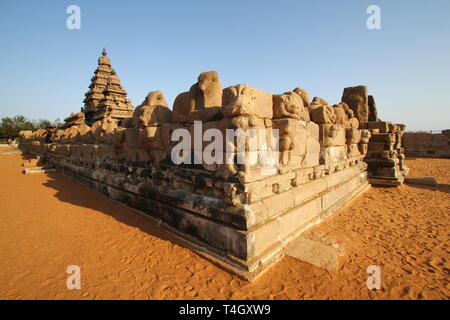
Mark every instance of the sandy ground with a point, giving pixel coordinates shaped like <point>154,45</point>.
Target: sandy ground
<point>49,222</point>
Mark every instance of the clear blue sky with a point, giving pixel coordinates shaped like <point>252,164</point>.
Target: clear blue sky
<point>321,46</point>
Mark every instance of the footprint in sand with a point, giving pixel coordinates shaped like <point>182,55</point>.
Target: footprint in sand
<point>190,291</point>
<point>47,283</point>
<point>59,296</point>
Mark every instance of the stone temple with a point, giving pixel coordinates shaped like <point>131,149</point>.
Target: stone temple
<point>106,97</point>
<point>242,214</point>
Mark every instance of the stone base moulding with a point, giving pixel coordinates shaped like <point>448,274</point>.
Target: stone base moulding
<point>247,246</point>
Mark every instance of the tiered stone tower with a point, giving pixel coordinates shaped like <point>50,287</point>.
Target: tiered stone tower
<point>106,97</point>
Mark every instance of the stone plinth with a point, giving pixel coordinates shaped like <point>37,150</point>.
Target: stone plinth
<point>300,162</point>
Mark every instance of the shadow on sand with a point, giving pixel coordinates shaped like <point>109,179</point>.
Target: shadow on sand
<point>437,187</point>
<point>75,193</point>
<point>429,183</point>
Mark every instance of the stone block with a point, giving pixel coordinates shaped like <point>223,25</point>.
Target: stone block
<point>132,138</point>
<point>338,193</point>
<point>334,154</point>
<point>309,190</point>
<point>382,126</point>
<point>384,137</point>
<point>312,153</point>
<point>313,129</point>
<point>386,172</point>
<point>331,135</point>
<point>298,217</point>
<point>244,100</point>
<point>278,203</point>
<point>318,253</point>
<point>323,114</point>
<point>357,99</point>
<point>380,146</point>
<point>262,238</point>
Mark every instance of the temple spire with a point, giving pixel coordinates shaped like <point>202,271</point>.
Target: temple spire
<point>106,97</point>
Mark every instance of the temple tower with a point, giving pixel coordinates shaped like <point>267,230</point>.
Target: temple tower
<point>106,97</point>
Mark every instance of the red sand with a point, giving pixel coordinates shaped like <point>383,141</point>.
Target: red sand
<point>49,222</point>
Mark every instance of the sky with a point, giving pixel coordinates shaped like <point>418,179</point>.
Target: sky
<point>322,46</point>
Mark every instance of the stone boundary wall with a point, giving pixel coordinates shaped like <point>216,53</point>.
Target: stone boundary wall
<point>427,145</point>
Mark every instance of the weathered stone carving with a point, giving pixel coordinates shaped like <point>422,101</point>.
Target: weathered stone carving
<point>323,114</point>
<point>201,102</point>
<point>152,111</point>
<point>304,95</point>
<point>357,99</point>
<point>363,143</point>
<point>341,115</point>
<point>102,130</point>
<point>245,101</point>
<point>289,105</point>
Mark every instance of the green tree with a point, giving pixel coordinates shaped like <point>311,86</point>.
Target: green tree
<point>57,123</point>
<point>43,124</point>
<point>10,127</point>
